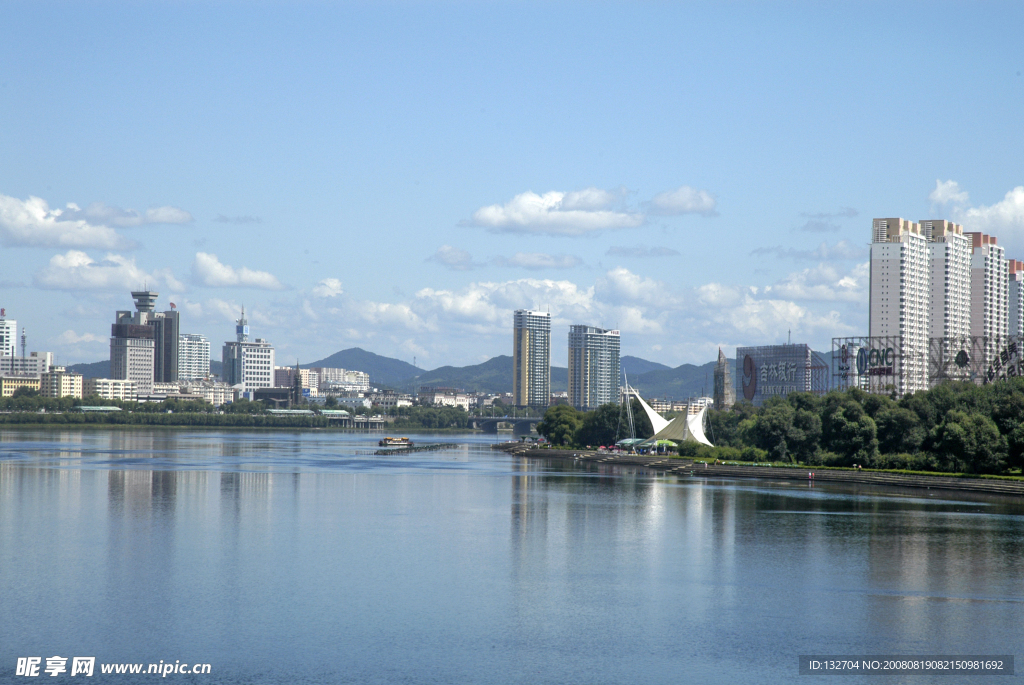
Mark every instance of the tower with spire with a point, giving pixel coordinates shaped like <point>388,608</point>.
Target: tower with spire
<point>724,394</point>
<point>248,364</point>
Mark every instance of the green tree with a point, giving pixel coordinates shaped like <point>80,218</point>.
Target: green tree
<point>970,442</point>
<point>599,427</point>
<point>847,430</point>
<point>805,436</point>
<point>559,424</point>
<point>899,430</point>
<point>772,427</point>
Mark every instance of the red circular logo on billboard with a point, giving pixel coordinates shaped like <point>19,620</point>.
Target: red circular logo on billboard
<point>749,378</point>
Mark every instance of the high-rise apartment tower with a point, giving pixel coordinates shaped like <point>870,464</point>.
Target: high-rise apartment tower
<point>193,357</point>
<point>899,296</point>
<point>989,293</point>
<point>593,366</point>
<point>1015,298</point>
<point>949,252</point>
<point>531,358</point>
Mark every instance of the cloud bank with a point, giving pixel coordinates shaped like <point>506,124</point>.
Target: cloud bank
<point>208,270</point>
<point>76,270</point>
<point>557,213</point>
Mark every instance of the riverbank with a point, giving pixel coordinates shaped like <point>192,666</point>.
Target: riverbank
<point>184,426</point>
<point>687,467</point>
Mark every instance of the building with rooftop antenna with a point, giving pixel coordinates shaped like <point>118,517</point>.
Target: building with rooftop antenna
<point>144,343</point>
<point>248,364</point>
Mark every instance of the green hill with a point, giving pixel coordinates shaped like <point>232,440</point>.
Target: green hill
<point>382,370</point>
<point>493,375</point>
<point>679,383</point>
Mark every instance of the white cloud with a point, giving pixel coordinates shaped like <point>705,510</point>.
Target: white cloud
<point>824,283</point>
<point>100,213</point>
<point>539,260</point>
<point>328,287</point>
<point>620,285</point>
<point>69,337</point>
<point>684,200</point>
<point>1006,214</point>
<point>557,213</point>
<point>946,192</point>
<point>456,325</point>
<point>31,223</point>
<point>208,270</point>
<point>453,258</point>
<point>76,270</point>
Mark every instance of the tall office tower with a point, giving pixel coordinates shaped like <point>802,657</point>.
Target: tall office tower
<point>249,364</point>
<point>164,335</point>
<point>8,335</point>
<point>949,252</point>
<point>900,296</point>
<point>724,395</point>
<point>989,297</point>
<point>531,359</point>
<point>166,343</point>
<point>193,357</point>
<point>1015,298</point>
<point>593,366</point>
<point>133,344</point>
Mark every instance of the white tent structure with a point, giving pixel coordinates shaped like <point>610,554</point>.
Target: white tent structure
<point>682,428</point>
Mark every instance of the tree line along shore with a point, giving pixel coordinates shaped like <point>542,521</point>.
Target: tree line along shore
<point>28,409</point>
<point>953,428</point>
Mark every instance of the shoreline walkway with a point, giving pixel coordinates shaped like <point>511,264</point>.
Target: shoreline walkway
<point>686,467</point>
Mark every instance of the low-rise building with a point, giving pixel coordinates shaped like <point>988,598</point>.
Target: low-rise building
<point>354,401</point>
<point>36,364</point>
<point>333,380</point>
<point>284,377</point>
<point>390,400</point>
<point>109,389</point>
<point>444,397</point>
<point>58,382</point>
<point>9,384</point>
<point>166,388</point>
<point>216,394</point>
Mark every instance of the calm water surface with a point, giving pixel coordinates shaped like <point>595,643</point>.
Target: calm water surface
<point>281,557</point>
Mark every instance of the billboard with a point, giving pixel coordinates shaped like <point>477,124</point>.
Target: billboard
<point>887,364</point>
<point>882,364</point>
<point>777,370</point>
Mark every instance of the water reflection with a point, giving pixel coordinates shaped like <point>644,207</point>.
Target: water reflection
<point>265,551</point>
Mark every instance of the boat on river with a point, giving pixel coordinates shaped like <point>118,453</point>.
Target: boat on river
<point>395,442</point>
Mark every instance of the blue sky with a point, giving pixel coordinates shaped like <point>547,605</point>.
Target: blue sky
<point>401,176</point>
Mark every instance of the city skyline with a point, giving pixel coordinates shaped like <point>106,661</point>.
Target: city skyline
<point>690,196</point>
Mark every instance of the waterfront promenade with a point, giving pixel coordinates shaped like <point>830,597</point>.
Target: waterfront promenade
<point>687,467</point>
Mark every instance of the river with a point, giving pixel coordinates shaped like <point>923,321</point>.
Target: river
<point>280,557</point>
